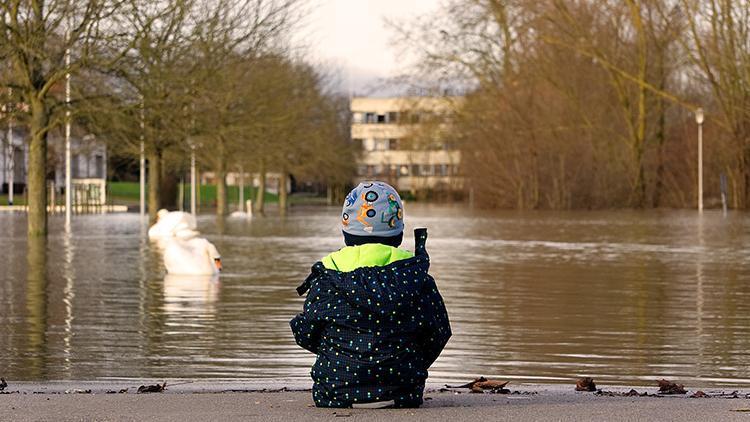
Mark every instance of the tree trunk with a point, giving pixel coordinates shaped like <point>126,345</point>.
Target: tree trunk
<point>261,196</point>
<point>660,137</point>
<point>221,188</point>
<point>37,175</point>
<point>154,184</point>
<point>283,181</point>
<point>329,194</point>
<point>659,181</point>
<point>168,189</point>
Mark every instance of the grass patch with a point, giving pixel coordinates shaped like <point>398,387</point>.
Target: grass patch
<point>130,191</point>
<point>17,200</point>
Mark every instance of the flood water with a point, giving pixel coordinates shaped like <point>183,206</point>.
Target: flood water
<point>625,297</point>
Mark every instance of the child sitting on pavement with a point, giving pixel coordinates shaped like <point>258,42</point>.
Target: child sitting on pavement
<point>373,315</point>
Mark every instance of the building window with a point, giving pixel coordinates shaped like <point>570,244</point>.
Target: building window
<point>403,170</point>
<point>379,170</point>
<point>361,170</point>
<point>368,145</point>
<point>358,144</point>
<point>99,166</point>
<point>75,166</point>
<point>426,170</point>
<point>381,118</point>
<point>357,117</point>
<point>370,117</point>
<point>415,170</point>
<point>392,117</point>
<point>381,145</point>
<point>393,144</point>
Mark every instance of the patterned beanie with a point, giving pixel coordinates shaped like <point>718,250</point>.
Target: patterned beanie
<point>373,213</point>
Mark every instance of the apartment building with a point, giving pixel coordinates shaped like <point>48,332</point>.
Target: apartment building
<point>402,141</point>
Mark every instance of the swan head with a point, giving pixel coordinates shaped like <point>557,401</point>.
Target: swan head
<point>214,255</point>
<point>161,214</point>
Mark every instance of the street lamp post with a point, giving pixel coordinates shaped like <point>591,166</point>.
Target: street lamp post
<point>11,159</point>
<point>142,176</point>
<point>699,117</point>
<point>68,176</point>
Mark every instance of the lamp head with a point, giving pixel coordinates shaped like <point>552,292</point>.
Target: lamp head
<point>699,116</point>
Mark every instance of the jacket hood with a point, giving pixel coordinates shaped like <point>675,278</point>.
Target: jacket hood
<point>368,255</point>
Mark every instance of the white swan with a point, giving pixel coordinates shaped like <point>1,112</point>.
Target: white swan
<point>176,223</point>
<point>242,214</point>
<point>195,256</point>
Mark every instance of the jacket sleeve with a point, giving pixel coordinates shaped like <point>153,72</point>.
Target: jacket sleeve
<point>306,332</point>
<point>438,330</point>
<point>308,326</point>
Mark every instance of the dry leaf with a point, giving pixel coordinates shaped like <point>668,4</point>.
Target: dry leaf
<point>668,387</point>
<point>585,384</point>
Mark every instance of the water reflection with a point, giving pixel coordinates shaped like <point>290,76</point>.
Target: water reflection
<point>68,296</point>
<point>36,305</point>
<point>191,296</point>
<point>221,224</point>
<point>623,297</point>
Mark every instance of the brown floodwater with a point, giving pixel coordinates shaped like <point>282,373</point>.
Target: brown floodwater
<point>625,297</point>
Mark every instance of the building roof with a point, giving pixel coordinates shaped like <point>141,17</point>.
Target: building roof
<point>389,104</point>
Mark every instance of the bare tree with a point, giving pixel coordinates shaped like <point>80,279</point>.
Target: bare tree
<point>36,35</point>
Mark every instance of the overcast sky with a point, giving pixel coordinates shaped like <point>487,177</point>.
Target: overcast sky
<point>352,35</point>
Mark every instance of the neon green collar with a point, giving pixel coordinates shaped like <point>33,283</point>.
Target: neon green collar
<point>369,255</point>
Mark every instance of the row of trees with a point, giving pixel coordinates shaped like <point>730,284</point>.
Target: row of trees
<point>216,76</point>
<point>589,104</point>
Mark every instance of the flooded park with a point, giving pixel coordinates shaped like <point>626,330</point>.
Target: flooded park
<point>625,297</point>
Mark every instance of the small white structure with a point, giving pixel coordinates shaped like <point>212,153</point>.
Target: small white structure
<point>88,167</point>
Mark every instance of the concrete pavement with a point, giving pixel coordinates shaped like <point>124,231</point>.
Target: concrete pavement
<point>228,401</point>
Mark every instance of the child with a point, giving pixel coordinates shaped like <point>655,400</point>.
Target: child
<point>373,314</point>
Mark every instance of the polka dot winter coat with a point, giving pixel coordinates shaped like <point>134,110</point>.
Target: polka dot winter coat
<point>376,330</point>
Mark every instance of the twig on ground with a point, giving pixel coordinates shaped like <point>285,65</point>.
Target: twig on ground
<point>156,388</point>
<point>3,384</point>
<point>631,393</point>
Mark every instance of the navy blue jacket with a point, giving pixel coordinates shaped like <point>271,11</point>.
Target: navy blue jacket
<point>376,330</point>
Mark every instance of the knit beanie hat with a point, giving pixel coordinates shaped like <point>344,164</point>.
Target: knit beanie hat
<point>373,213</point>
